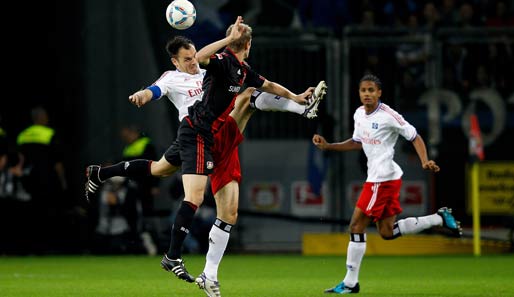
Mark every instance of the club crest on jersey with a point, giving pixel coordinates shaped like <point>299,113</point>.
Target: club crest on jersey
<point>374,126</point>
<point>210,164</point>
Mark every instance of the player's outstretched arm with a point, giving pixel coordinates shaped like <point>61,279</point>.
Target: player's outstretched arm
<point>278,89</point>
<point>141,97</point>
<point>203,55</point>
<point>421,150</point>
<point>347,145</point>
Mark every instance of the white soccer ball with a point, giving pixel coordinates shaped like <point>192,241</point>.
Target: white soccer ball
<point>181,14</point>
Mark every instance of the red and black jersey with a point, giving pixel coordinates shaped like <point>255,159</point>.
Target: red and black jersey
<point>222,83</point>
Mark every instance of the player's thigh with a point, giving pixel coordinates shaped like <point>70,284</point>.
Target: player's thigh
<point>242,110</point>
<point>385,226</point>
<point>379,200</point>
<point>172,154</point>
<point>243,99</point>
<point>195,150</point>
<point>194,187</point>
<point>359,221</point>
<point>163,168</point>
<point>227,202</point>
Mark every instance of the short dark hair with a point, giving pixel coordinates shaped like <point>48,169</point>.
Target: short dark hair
<point>176,43</point>
<point>373,78</point>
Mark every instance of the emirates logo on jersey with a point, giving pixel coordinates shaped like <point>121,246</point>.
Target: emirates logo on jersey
<point>373,141</point>
<point>194,92</point>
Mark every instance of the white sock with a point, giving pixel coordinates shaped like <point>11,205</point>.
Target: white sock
<point>271,102</point>
<point>218,240</point>
<point>416,225</point>
<point>354,256</point>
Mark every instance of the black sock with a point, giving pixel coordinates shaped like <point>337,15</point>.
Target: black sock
<point>253,98</point>
<point>132,169</point>
<point>180,229</point>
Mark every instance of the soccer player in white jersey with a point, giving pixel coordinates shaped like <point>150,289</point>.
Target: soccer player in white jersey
<point>183,87</point>
<point>376,130</point>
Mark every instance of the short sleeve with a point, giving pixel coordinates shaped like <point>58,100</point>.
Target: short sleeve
<point>164,83</point>
<point>253,79</point>
<point>403,127</point>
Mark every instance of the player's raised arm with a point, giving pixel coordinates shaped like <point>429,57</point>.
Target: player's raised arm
<point>203,55</point>
<point>347,145</point>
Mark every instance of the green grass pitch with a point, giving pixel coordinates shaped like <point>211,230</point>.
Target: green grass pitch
<point>257,275</point>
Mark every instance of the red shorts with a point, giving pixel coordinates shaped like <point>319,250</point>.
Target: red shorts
<point>226,155</point>
<point>380,200</point>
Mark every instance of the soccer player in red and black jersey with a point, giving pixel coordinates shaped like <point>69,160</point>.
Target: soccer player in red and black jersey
<point>181,87</point>
<point>211,122</point>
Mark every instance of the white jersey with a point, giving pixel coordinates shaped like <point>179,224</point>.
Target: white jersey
<point>378,133</point>
<point>183,89</point>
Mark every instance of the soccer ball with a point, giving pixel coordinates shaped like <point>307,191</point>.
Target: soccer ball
<point>181,14</point>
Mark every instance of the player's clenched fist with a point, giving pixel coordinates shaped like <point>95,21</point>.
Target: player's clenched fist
<point>141,97</point>
<point>431,165</point>
<point>319,141</point>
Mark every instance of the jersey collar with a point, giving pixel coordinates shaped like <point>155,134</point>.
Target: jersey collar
<point>376,109</point>
<point>231,52</point>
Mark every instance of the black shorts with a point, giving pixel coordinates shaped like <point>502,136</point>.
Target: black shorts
<point>195,149</point>
<point>172,154</point>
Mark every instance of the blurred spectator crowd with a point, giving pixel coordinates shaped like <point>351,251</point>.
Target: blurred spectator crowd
<point>40,215</point>
<point>35,212</point>
<point>467,65</point>
<point>334,15</point>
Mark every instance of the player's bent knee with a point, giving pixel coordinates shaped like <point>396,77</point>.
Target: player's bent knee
<point>164,171</point>
<point>387,234</point>
<point>356,227</point>
<point>162,168</point>
<point>243,98</point>
<point>247,93</point>
<point>195,199</point>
